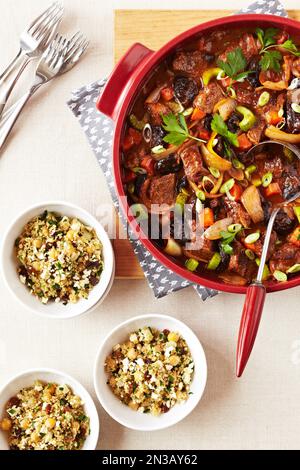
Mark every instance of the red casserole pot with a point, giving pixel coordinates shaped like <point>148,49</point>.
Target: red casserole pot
<point>124,84</point>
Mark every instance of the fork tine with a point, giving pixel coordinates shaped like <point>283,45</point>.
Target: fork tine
<point>49,25</point>
<point>74,41</point>
<point>37,22</point>
<point>58,10</point>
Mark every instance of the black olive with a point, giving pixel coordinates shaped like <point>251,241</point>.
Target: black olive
<point>267,208</point>
<point>233,123</point>
<point>225,258</point>
<point>253,78</point>
<point>185,89</point>
<point>171,164</point>
<point>219,147</point>
<point>283,223</point>
<point>182,183</point>
<point>140,179</point>
<point>207,122</point>
<point>157,136</point>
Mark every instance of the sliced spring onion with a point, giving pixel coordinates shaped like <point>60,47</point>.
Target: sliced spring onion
<point>281,112</point>
<point>250,254</point>
<point>214,262</point>
<point>249,170</point>
<point>267,179</point>
<point>139,171</point>
<point>234,228</point>
<point>227,186</point>
<point>228,250</point>
<point>295,107</point>
<point>248,120</point>
<point>266,271</point>
<point>200,195</point>
<point>281,124</point>
<point>297,212</point>
<point>191,264</point>
<point>180,202</point>
<point>227,236</point>
<point>221,75</point>
<point>158,149</point>
<point>256,182</point>
<point>215,172</point>
<point>252,238</point>
<point>188,111</point>
<point>294,269</point>
<point>237,164</point>
<point>280,276</point>
<point>147,133</point>
<point>264,98</point>
<point>230,196</point>
<point>295,83</point>
<point>214,142</point>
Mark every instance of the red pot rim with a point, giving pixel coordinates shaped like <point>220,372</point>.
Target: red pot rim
<point>136,79</point>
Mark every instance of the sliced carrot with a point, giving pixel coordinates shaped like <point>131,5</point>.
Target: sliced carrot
<point>226,82</point>
<point>294,237</point>
<point>272,190</point>
<point>167,93</point>
<point>148,164</point>
<point>236,191</point>
<point>273,117</point>
<point>204,134</point>
<point>244,143</point>
<point>208,217</point>
<point>197,114</point>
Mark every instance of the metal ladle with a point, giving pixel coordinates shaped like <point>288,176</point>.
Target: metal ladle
<point>256,292</point>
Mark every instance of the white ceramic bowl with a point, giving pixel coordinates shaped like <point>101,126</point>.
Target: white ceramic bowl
<point>9,263</point>
<point>27,378</point>
<point>122,413</point>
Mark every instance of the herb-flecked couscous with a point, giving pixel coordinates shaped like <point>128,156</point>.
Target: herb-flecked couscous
<point>45,416</point>
<point>60,258</point>
<point>152,371</point>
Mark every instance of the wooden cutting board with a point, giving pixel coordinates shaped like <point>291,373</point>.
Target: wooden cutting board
<point>152,28</point>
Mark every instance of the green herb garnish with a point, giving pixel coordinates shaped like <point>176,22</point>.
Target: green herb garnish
<point>235,65</point>
<point>177,130</point>
<point>219,125</point>
<point>271,59</point>
<point>290,46</point>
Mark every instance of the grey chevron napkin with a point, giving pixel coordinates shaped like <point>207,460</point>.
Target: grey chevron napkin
<point>99,132</point>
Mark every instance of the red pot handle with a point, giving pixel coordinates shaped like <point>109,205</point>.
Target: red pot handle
<point>114,91</point>
<point>253,307</point>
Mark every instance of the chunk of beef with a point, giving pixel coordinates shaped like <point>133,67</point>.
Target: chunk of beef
<point>285,257</point>
<point>185,89</point>
<point>156,110</point>
<point>285,220</point>
<point>257,247</point>
<point>240,264</point>
<point>292,118</point>
<point>208,98</point>
<point>191,63</point>
<point>245,94</point>
<point>204,250</point>
<point>255,133</point>
<point>192,162</point>
<point>237,213</point>
<point>290,184</point>
<point>248,45</point>
<point>274,165</point>
<point>158,190</point>
<point>162,189</point>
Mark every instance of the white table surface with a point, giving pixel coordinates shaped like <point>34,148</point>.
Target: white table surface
<point>49,158</point>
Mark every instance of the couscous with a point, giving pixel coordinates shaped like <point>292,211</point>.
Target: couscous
<point>45,416</point>
<point>152,371</point>
<point>60,258</point>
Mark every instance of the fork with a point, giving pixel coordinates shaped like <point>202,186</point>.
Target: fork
<point>33,41</point>
<point>58,59</point>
